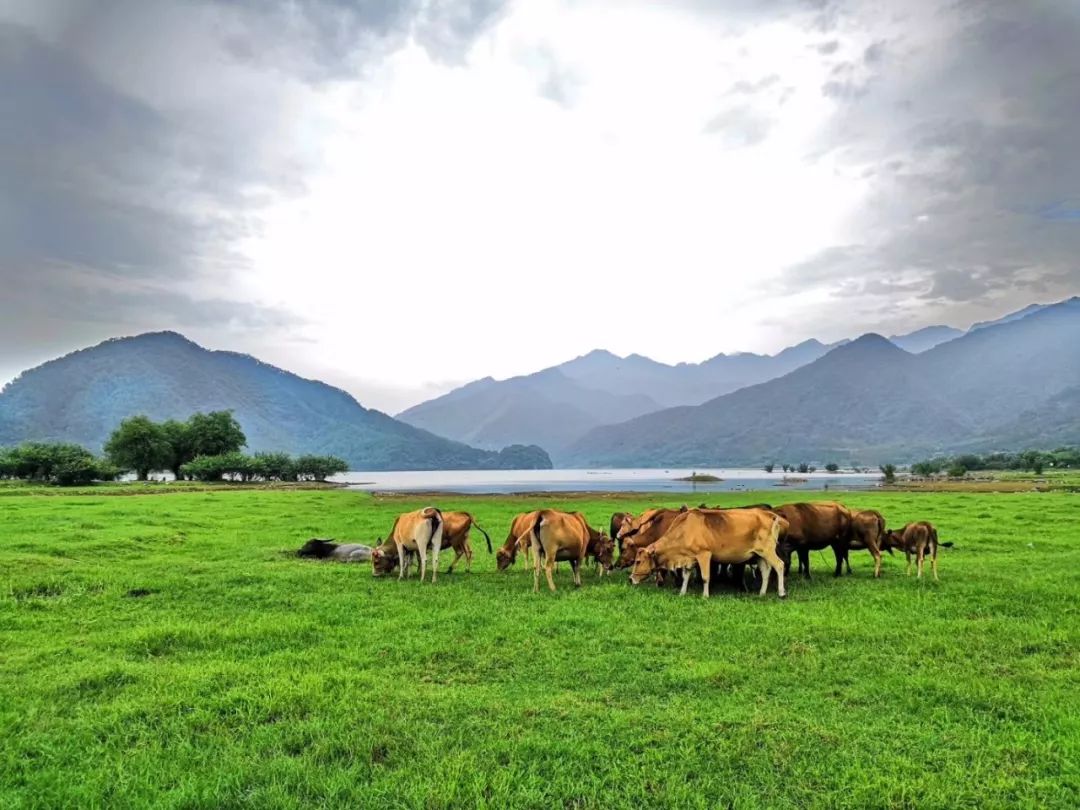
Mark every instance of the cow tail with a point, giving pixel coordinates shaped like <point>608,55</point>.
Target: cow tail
<point>436,519</point>
<point>532,531</point>
<point>774,533</point>
<point>479,529</point>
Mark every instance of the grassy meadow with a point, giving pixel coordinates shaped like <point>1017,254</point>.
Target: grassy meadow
<point>169,650</point>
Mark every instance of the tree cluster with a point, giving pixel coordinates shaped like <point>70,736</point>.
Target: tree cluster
<point>237,466</point>
<point>54,463</point>
<point>1035,461</point>
<point>142,445</point>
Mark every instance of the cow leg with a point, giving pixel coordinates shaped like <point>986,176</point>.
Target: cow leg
<point>468,556</point>
<point>575,566</point>
<point>536,565</point>
<point>421,549</point>
<point>685,580</point>
<point>403,565</point>
<point>458,552</point>
<point>875,549</point>
<point>920,554</point>
<point>777,565</point>
<point>549,569</point>
<point>907,556</point>
<point>933,561</point>
<point>839,552</point>
<point>704,561</point>
<point>764,569</point>
<point>804,562</point>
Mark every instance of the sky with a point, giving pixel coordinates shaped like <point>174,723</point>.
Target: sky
<point>399,197</point>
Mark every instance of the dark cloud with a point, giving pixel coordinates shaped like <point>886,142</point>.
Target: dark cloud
<point>961,120</point>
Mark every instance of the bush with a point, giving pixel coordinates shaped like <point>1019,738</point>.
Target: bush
<point>62,464</point>
<point>769,467</point>
<point>956,470</point>
<point>888,473</point>
<point>273,467</point>
<point>830,467</point>
<point>804,467</point>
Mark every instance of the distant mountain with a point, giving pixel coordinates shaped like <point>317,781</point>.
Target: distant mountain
<point>556,406</point>
<point>81,397</point>
<point>1030,309</point>
<point>870,401</point>
<point>927,338</point>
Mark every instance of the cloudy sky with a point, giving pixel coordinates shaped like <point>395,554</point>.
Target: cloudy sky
<point>399,196</point>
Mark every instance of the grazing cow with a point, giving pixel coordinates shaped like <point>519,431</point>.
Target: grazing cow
<point>320,549</point>
<point>413,532</point>
<point>601,548</point>
<point>867,531</point>
<point>916,538</point>
<point>728,536</point>
<point>642,531</point>
<point>456,526</point>
<point>556,536</point>
<point>812,527</point>
<point>507,554</point>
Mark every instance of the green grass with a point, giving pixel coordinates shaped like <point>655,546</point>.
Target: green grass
<point>169,651</point>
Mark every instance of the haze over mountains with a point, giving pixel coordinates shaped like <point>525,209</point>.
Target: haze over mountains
<point>83,396</point>
<point>998,386</point>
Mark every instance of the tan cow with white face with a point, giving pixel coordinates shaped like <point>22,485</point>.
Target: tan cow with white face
<point>414,532</point>
<point>729,536</point>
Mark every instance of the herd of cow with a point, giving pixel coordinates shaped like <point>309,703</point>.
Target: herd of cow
<point>662,542</point>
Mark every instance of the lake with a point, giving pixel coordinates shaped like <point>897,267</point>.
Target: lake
<point>506,481</point>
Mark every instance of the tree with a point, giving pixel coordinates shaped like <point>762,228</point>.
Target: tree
<point>804,467</point>
<point>214,434</point>
<point>139,445</point>
<point>1037,466</point>
<point>769,467</point>
<point>830,467</point>
<point>273,467</point>
<point>888,472</point>
<point>956,470</point>
<point>178,436</point>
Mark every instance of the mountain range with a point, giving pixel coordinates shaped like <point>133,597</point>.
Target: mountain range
<point>1004,385</point>
<point>556,407</point>
<point>83,396</point>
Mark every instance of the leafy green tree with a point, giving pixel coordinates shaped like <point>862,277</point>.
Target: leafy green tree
<point>1037,466</point>
<point>214,434</point>
<point>769,467</point>
<point>830,467</point>
<point>804,467</point>
<point>956,470</point>
<point>178,435</point>
<point>888,473</point>
<point>140,445</point>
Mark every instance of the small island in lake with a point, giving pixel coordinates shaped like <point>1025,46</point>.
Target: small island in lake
<point>700,478</point>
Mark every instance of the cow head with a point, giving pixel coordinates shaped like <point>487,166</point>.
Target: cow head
<point>504,557</point>
<point>605,551</point>
<point>892,539</point>
<point>644,564</point>
<point>381,562</point>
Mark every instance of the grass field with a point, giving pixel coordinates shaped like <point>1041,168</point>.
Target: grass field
<point>170,651</point>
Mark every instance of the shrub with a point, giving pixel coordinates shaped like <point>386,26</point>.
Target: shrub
<point>956,470</point>
<point>769,467</point>
<point>888,473</point>
<point>273,467</point>
<point>830,467</point>
<point>804,467</point>
<point>318,468</point>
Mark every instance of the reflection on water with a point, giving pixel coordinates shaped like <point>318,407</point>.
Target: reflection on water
<point>495,481</point>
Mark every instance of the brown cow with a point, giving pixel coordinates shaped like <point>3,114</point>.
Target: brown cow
<point>642,531</point>
<point>916,538</point>
<point>556,536</point>
<point>728,536</point>
<point>812,527</point>
<point>507,554</point>
<point>867,531</point>
<point>456,527</point>
<point>414,532</point>
<point>618,521</point>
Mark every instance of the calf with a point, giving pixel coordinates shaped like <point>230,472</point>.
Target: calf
<point>867,531</point>
<point>556,536</point>
<point>413,532</point>
<point>727,536</point>
<point>916,538</point>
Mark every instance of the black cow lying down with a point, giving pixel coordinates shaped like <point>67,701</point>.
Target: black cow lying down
<point>329,550</point>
